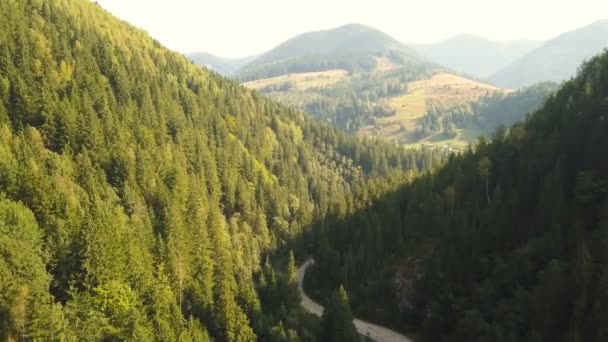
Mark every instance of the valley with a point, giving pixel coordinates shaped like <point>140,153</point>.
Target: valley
<point>447,191</point>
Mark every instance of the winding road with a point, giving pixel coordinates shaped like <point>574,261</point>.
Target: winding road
<point>375,332</point>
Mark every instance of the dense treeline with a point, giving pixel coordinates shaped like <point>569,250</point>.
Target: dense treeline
<point>504,243</point>
<point>489,112</point>
<point>140,195</point>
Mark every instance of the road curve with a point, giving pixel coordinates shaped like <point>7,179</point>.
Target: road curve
<point>375,332</point>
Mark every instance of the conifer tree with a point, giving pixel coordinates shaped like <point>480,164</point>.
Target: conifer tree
<point>337,320</point>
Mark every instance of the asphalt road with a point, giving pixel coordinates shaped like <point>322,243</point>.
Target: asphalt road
<point>376,332</point>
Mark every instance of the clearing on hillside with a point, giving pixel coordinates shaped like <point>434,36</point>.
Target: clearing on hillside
<point>300,81</point>
<point>409,110</point>
<point>385,64</point>
<point>444,85</point>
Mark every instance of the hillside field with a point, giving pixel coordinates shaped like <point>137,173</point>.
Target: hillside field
<point>409,108</point>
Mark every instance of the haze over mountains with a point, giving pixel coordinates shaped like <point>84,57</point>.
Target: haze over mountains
<point>509,64</point>
<point>222,65</point>
<point>475,55</point>
<point>348,46</point>
<point>557,59</point>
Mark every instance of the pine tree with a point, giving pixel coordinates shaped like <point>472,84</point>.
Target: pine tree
<point>337,320</point>
<point>292,271</point>
<point>484,168</point>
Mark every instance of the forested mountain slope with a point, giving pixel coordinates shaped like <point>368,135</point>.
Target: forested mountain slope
<point>352,47</point>
<point>505,243</point>
<point>557,59</point>
<point>139,194</point>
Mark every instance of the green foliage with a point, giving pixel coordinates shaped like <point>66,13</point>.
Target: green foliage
<point>26,309</point>
<point>337,320</point>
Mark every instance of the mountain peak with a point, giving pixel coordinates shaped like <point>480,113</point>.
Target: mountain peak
<point>354,27</point>
<point>352,47</point>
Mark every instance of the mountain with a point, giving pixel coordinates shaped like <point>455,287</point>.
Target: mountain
<point>386,97</point>
<point>145,198</point>
<point>351,47</point>
<point>475,55</point>
<point>224,66</point>
<point>557,59</point>
<point>507,242</point>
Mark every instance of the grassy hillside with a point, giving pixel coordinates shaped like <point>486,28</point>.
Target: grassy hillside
<point>445,90</point>
<point>466,121</point>
<point>145,198</point>
<point>557,59</point>
<point>504,243</point>
<point>474,55</point>
<point>352,47</point>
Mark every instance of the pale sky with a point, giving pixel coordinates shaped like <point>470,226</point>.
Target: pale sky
<point>236,28</point>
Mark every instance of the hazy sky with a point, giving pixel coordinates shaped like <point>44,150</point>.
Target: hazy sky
<point>234,28</point>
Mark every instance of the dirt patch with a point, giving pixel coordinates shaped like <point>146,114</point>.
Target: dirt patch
<point>385,64</point>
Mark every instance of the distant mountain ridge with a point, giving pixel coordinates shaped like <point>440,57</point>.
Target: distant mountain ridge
<point>351,47</point>
<point>222,65</point>
<point>556,60</point>
<point>475,55</point>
